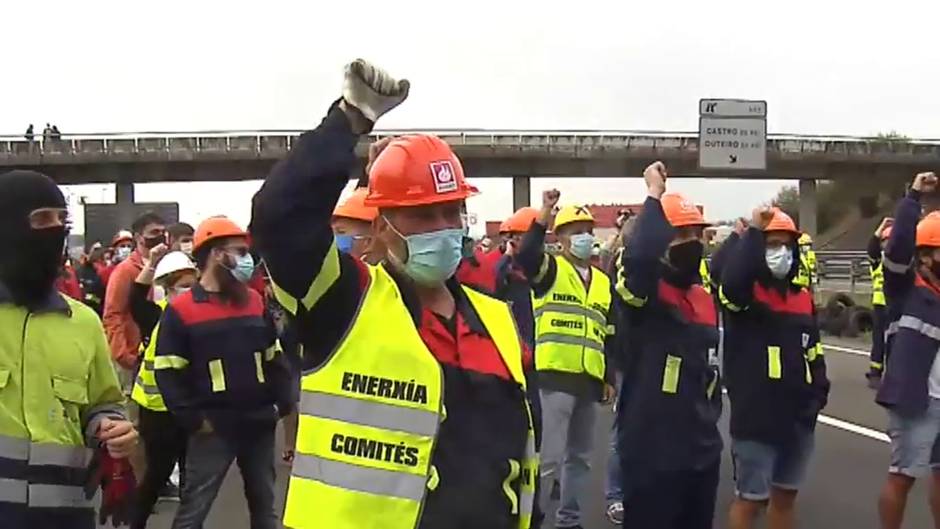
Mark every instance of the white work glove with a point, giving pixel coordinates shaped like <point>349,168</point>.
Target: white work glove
<point>372,90</point>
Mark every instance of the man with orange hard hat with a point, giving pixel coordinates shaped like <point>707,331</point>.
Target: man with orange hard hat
<point>389,347</point>
<point>774,367</point>
<point>910,387</point>
<point>670,401</point>
<point>222,377</point>
<point>352,224</point>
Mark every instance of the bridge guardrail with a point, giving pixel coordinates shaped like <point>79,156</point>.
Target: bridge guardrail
<point>561,141</point>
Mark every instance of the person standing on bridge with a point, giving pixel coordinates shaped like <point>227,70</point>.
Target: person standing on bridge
<point>910,387</point>
<point>390,349</point>
<point>775,369</point>
<point>572,323</point>
<point>670,401</point>
<point>878,302</point>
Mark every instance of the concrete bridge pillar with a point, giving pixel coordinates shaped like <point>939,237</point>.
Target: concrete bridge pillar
<point>808,206</point>
<point>124,197</point>
<point>521,191</point>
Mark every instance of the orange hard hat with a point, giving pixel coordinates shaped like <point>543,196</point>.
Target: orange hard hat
<point>928,230</point>
<point>886,233</point>
<point>216,228</point>
<point>355,208</point>
<point>416,171</point>
<point>520,221</point>
<point>782,222</point>
<point>122,236</point>
<point>680,211</point>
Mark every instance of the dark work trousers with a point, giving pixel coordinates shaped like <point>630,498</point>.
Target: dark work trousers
<point>208,458</point>
<point>674,500</point>
<point>164,446</point>
<point>879,323</point>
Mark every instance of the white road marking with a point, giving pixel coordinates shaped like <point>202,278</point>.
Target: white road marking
<point>854,428</point>
<point>845,425</point>
<point>845,350</point>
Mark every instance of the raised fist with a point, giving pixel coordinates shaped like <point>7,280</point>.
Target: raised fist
<point>655,176</point>
<point>550,198</point>
<point>761,217</point>
<point>156,253</point>
<point>925,182</point>
<point>886,223</point>
<point>372,90</point>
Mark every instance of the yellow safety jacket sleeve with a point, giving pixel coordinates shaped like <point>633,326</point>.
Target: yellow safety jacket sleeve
<point>105,397</point>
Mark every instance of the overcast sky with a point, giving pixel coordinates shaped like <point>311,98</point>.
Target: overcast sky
<point>824,66</point>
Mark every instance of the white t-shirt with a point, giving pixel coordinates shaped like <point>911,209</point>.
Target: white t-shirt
<point>584,272</point>
<point>933,383</point>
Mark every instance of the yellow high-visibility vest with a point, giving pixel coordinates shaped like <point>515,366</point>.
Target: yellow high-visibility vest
<point>705,274</point>
<point>370,416</point>
<point>878,285</point>
<point>56,382</point>
<point>806,276</point>
<point>571,322</point>
<point>145,392</point>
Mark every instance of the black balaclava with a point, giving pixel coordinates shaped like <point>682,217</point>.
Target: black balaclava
<point>684,260</point>
<point>29,259</point>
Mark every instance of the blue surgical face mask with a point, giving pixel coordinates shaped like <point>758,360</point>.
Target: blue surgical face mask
<point>344,242</point>
<point>581,245</point>
<point>432,257</point>
<point>779,260</point>
<point>122,254</point>
<point>244,268</point>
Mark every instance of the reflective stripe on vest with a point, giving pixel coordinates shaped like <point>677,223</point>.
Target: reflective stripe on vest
<point>878,285</point>
<point>369,419</point>
<point>571,322</point>
<point>145,392</point>
<point>13,489</point>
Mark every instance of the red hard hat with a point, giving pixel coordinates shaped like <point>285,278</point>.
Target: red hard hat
<point>122,236</point>
<point>355,208</point>
<point>928,230</point>
<point>216,228</point>
<point>782,222</point>
<point>416,171</point>
<point>680,211</point>
<point>520,221</point>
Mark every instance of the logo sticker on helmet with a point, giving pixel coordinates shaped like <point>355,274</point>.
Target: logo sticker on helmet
<point>444,179</point>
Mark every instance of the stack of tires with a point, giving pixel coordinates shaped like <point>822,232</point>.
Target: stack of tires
<point>842,317</point>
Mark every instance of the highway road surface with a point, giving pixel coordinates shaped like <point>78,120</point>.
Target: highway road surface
<point>849,466</point>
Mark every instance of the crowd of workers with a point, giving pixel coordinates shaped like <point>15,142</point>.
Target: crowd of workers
<point>424,382</point>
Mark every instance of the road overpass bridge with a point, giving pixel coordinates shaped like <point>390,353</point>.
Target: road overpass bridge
<point>126,159</point>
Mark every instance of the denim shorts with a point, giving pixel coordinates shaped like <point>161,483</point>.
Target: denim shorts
<point>914,447</point>
<point>759,466</point>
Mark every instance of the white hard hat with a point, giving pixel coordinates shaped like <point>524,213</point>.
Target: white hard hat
<point>172,262</point>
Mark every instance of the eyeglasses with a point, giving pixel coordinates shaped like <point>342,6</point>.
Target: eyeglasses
<point>43,218</point>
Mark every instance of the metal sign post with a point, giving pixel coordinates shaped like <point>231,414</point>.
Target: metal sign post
<point>732,135</point>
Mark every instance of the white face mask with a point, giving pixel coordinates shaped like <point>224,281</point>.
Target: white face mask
<point>779,261</point>
<point>186,248</point>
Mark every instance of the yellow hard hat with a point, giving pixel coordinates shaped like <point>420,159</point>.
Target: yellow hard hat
<point>805,239</point>
<point>569,214</point>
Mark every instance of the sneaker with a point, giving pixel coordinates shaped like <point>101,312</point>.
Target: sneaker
<point>874,380</point>
<point>170,492</point>
<point>615,513</point>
